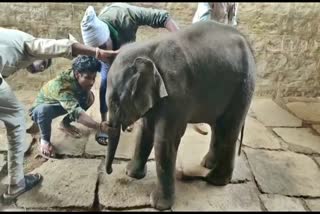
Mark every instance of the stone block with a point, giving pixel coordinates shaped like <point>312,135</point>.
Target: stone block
<point>281,203</point>
<point>66,183</point>
<point>300,139</point>
<point>279,172</point>
<point>309,112</point>
<point>313,204</point>
<point>258,136</point>
<point>270,114</point>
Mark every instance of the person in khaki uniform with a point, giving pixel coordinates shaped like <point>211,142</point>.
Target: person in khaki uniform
<point>19,50</point>
<point>116,25</point>
<point>223,12</point>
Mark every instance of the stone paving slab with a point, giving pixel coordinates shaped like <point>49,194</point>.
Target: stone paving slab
<point>270,114</point>
<point>2,126</point>
<point>300,139</point>
<point>127,145</point>
<point>256,135</point>
<point>3,163</point>
<point>317,128</point>
<point>200,196</point>
<point>274,202</point>
<point>309,112</point>
<point>317,160</point>
<point>93,148</point>
<point>65,144</point>
<point>313,204</point>
<point>120,191</point>
<point>137,210</point>
<point>125,150</point>
<point>285,173</point>
<point>3,188</point>
<point>193,148</point>
<point>67,183</point>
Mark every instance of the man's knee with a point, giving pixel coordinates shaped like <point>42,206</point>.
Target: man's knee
<point>46,112</point>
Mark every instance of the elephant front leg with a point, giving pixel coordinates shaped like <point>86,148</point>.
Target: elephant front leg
<point>167,139</point>
<point>137,168</point>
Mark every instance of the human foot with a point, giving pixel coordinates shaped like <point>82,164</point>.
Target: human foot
<point>46,150</point>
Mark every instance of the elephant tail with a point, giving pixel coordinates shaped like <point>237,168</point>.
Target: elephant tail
<point>241,138</point>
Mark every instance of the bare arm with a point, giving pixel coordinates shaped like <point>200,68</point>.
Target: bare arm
<point>104,55</point>
<point>52,48</point>
<point>171,25</point>
<point>99,127</point>
<point>86,120</point>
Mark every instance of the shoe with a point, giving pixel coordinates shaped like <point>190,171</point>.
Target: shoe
<point>102,138</point>
<point>201,128</point>
<point>31,181</point>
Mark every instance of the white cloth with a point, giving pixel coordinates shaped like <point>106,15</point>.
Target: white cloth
<point>203,8</point>
<point>224,12</point>
<point>94,31</point>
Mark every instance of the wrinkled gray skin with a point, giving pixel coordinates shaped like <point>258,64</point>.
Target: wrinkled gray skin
<point>203,74</point>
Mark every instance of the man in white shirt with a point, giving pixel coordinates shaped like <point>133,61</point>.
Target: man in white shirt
<point>20,50</point>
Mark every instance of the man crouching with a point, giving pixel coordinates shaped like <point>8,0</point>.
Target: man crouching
<point>69,93</point>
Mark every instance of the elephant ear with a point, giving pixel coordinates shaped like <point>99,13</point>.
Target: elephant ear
<point>148,86</point>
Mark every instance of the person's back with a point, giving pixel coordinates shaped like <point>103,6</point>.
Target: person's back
<point>125,20</point>
<point>11,50</point>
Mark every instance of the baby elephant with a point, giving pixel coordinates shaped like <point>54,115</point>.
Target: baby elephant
<point>203,74</point>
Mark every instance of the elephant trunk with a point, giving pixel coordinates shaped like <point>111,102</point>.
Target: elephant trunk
<point>112,148</point>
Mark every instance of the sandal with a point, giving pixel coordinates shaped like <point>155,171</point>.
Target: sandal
<point>70,130</point>
<point>47,154</point>
<point>102,138</point>
<point>31,181</point>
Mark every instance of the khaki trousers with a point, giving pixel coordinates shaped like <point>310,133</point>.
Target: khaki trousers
<point>12,114</point>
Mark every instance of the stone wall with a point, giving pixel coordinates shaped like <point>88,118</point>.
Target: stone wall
<point>285,36</point>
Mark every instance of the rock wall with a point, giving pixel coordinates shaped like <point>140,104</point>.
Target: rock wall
<point>285,36</point>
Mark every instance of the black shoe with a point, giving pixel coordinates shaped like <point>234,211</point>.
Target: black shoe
<point>30,180</point>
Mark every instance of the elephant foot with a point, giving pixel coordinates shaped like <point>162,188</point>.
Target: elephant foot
<point>208,161</point>
<point>161,202</point>
<point>135,170</point>
<point>219,177</point>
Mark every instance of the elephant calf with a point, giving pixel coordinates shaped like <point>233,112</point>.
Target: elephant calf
<point>203,74</point>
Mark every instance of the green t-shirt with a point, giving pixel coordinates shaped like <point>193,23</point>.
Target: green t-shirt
<point>124,19</point>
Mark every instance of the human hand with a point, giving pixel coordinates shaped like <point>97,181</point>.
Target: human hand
<point>106,55</point>
<point>104,127</point>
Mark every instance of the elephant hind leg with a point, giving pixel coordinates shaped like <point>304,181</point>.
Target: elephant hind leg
<point>221,155</point>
